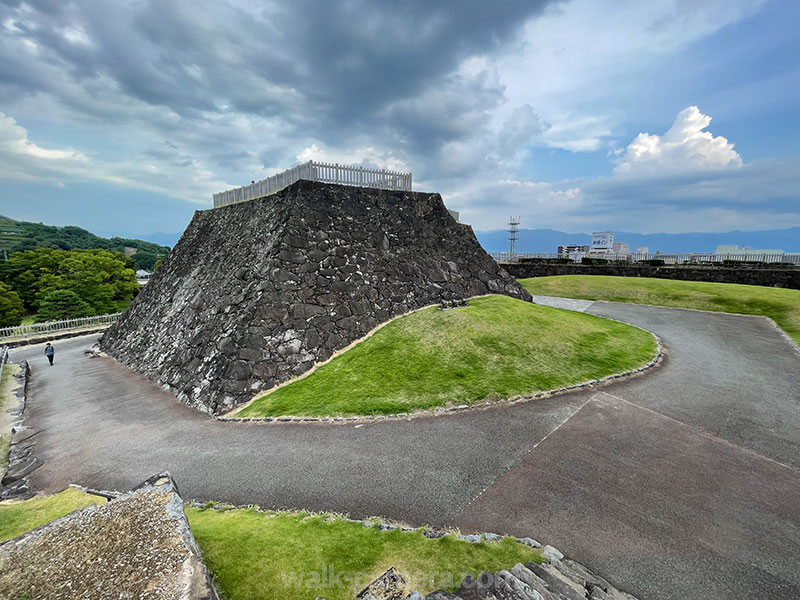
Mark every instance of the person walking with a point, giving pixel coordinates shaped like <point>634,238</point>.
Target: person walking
<point>49,352</point>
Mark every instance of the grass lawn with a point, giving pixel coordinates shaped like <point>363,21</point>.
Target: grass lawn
<point>293,555</point>
<point>782,305</point>
<point>18,517</point>
<point>497,347</point>
<point>255,555</point>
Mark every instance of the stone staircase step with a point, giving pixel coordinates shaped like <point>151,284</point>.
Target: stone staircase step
<point>523,590</point>
<point>580,575</point>
<point>440,595</point>
<point>556,582</point>
<point>533,581</point>
<point>598,588</point>
<point>477,589</point>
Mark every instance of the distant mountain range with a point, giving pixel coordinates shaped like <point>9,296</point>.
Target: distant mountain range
<point>548,240</point>
<point>17,236</point>
<point>162,239</point>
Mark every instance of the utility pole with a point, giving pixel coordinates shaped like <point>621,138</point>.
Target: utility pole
<point>513,228</point>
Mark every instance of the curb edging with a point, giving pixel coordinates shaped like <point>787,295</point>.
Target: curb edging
<point>25,460</point>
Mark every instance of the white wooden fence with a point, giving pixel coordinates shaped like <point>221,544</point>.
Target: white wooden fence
<point>21,331</point>
<point>670,259</point>
<point>316,171</point>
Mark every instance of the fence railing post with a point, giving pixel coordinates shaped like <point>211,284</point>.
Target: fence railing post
<point>19,331</point>
<point>314,171</point>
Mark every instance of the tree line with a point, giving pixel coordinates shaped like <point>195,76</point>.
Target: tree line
<point>18,236</point>
<point>53,284</point>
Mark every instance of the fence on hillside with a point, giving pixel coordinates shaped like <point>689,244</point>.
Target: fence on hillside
<point>22,331</point>
<point>316,171</point>
<point>693,258</point>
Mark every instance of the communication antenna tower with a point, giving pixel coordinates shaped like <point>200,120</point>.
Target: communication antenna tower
<point>513,229</point>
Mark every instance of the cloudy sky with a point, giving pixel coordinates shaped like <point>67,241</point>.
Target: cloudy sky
<point>657,116</point>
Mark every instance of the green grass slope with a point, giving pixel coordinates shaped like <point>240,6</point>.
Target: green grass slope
<point>296,555</point>
<point>18,517</point>
<point>782,305</point>
<point>497,347</point>
<point>276,555</point>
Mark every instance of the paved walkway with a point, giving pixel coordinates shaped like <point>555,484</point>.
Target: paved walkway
<point>684,483</point>
<point>568,303</point>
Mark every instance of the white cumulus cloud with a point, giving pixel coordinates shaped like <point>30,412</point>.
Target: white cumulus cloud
<point>686,146</point>
<point>522,126</point>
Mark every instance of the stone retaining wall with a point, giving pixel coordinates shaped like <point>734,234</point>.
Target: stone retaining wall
<point>258,292</point>
<point>771,277</point>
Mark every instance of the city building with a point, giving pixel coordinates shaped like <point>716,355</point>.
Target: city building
<point>602,241</point>
<point>573,251</point>
<point>621,249</point>
<point>642,250</point>
<point>566,249</point>
<point>602,244</point>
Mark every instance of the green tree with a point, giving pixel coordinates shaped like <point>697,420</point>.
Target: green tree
<point>144,259</point>
<point>104,280</point>
<point>62,304</point>
<point>11,308</point>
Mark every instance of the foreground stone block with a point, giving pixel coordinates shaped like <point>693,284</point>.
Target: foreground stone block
<point>138,545</point>
<point>256,293</point>
<point>389,586</point>
<point>561,580</point>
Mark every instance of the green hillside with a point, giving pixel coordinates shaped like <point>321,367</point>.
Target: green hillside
<point>496,347</point>
<point>16,236</point>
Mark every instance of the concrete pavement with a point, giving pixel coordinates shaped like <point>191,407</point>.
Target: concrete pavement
<point>683,483</point>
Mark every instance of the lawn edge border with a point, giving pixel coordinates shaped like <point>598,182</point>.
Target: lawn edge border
<point>483,404</point>
<point>18,487</point>
<point>381,523</point>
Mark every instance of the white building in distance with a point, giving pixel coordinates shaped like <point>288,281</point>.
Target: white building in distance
<point>602,241</point>
<point>621,249</point>
<point>602,244</point>
<point>573,251</point>
<point>565,249</point>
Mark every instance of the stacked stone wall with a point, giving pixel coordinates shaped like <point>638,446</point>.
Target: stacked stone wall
<point>771,277</point>
<point>258,292</point>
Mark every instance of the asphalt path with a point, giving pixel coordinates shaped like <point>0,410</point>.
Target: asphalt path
<point>683,483</point>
